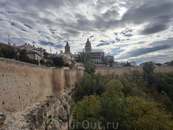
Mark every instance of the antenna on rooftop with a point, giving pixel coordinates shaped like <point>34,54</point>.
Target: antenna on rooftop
<point>8,38</point>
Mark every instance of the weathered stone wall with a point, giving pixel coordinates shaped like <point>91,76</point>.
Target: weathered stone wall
<point>114,71</point>
<point>119,71</point>
<point>58,80</point>
<point>23,84</point>
<point>164,69</point>
<point>72,76</point>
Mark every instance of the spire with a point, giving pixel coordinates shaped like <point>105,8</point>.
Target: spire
<point>67,48</point>
<point>67,43</point>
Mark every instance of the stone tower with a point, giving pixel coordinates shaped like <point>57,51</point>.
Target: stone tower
<point>88,46</point>
<point>67,48</point>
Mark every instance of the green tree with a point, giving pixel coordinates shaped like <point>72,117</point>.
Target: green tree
<point>170,63</point>
<point>42,62</point>
<point>86,110</point>
<point>148,68</point>
<point>90,84</point>
<point>145,114</point>
<point>49,63</point>
<point>127,64</point>
<point>7,51</point>
<point>58,61</point>
<point>90,67</point>
<point>23,57</point>
<point>112,106</point>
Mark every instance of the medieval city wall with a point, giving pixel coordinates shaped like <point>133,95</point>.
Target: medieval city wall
<point>23,84</point>
<point>119,71</point>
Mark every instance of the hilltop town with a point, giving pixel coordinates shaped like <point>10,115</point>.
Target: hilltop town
<point>40,56</point>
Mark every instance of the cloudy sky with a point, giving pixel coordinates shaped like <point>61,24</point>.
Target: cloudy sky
<point>130,30</point>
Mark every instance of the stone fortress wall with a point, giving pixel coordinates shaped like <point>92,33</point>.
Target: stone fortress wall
<point>119,71</point>
<point>23,84</point>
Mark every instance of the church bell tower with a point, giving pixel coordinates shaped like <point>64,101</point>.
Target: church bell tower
<point>67,48</point>
<point>88,46</point>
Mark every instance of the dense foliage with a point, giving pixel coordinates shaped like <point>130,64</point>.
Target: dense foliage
<point>142,101</point>
<point>58,61</point>
<point>90,67</point>
<point>7,51</point>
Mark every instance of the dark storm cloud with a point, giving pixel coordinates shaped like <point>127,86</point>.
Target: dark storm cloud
<point>148,11</point>
<point>155,46</point>
<point>73,32</point>
<point>158,24</point>
<point>137,15</point>
<point>156,13</point>
<point>154,29</point>
<point>141,51</point>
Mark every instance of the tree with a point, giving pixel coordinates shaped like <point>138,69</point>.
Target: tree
<point>83,57</point>
<point>170,63</point>
<point>90,84</point>
<point>111,110</point>
<point>7,51</point>
<point>148,68</point>
<point>49,63</point>
<point>127,64</point>
<point>90,67</point>
<point>42,62</point>
<point>23,57</point>
<point>145,114</point>
<point>86,110</point>
<point>58,61</point>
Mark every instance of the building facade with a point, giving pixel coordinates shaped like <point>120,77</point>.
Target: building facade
<point>110,58</point>
<point>95,57</point>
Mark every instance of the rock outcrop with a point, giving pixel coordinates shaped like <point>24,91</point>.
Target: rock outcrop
<point>51,114</point>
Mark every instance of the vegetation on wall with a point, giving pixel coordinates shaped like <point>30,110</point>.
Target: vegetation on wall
<point>139,102</point>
